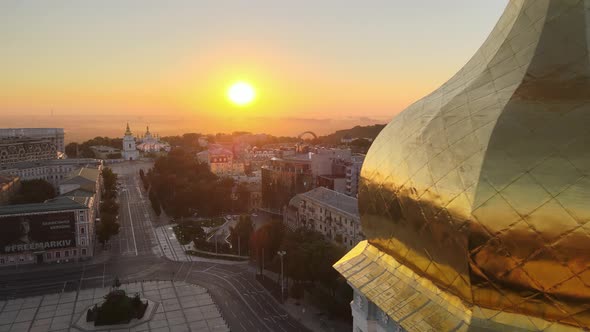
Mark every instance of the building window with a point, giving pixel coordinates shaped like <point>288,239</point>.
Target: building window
<point>74,252</point>
<point>48,255</point>
<point>82,230</point>
<point>83,251</point>
<point>57,254</point>
<point>1,260</point>
<point>67,253</point>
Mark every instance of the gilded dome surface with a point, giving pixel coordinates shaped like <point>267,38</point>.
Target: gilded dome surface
<point>483,186</point>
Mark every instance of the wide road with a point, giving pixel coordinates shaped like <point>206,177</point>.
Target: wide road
<point>135,255</point>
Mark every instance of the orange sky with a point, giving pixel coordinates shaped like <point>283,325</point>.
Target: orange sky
<point>92,67</point>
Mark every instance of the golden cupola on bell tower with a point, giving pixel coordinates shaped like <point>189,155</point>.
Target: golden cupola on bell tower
<point>475,200</point>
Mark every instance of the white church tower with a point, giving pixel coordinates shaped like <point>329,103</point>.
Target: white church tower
<point>129,150</point>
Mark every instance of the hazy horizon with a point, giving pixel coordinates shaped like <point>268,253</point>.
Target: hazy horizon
<point>92,67</point>
<point>80,130</point>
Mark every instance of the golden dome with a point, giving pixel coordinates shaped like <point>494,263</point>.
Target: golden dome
<point>483,186</point>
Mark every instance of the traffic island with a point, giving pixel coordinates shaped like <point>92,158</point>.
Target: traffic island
<point>174,306</point>
<point>118,308</point>
<point>117,311</point>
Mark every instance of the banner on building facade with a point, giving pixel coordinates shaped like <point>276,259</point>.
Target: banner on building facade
<point>37,232</point>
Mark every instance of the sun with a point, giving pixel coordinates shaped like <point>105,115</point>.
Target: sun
<point>241,93</point>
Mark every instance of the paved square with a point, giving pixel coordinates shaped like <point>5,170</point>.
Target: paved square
<point>183,307</point>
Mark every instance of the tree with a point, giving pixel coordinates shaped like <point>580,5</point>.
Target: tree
<point>83,150</point>
<point>188,142</point>
<point>72,150</point>
<point>310,256</point>
<point>109,218</point>
<point>243,197</point>
<point>109,206</point>
<point>268,238</point>
<point>114,155</point>
<point>34,191</point>
<point>109,209</point>
<point>155,203</point>
<point>240,234</point>
<point>182,186</point>
<point>109,180</point>
<point>106,229</point>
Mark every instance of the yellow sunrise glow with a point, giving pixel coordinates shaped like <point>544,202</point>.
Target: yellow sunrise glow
<point>241,93</point>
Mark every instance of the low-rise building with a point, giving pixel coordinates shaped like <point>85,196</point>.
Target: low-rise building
<point>248,187</point>
<point>54,231</point>
<point>221,162</point>
<point>255,158</point>
<point>346,139</point>
<point>329,212</point>
<point>84,186</point>
<point>59,230</point>
<point>332,182</point>
<point>105,152</point>
<point>53,171</point>
<point>85,178</point>
<point>129,149</point>
<point>203,141</point>
<point>151,143</point>
<point>338,169</point>
<point>256,153</point>
<point>284,178</point>
<point>323,160</point>
<point>15,151</point>
<point>353,173</point>
<point>55,136</point>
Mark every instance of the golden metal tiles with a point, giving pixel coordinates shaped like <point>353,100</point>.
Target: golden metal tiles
<point>482,188</point>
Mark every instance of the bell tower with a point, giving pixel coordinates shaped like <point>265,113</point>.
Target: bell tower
<point>129,151</point>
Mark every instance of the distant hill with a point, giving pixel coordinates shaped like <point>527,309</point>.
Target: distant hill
<point>356,132</point>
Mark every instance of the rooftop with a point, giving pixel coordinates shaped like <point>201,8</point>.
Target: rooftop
<point>219,151</point>
<point>302,157</point>
<point>334,199</point>
<point>81,196</point>
<point>23,132</point>
<point>22,140</point>
<point>56,204</point>
<point>51,162</point>
<point>294,202</point>
<point>85,177</point>
<point>86,173</point>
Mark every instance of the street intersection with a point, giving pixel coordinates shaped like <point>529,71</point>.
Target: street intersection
<point>138,254</point>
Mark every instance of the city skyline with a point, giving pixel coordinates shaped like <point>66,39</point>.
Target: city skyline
<point>95,66</point>
<point>254,165</point>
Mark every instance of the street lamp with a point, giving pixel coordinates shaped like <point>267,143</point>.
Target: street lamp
<point>281,254</point>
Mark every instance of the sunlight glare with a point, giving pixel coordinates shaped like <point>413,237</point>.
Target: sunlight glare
<point>241,93</point>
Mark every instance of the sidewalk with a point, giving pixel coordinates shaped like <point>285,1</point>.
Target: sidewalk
<point>175,251</point>
<point>304,311</point>
<point>180,307</point>
<point>100,256</point>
